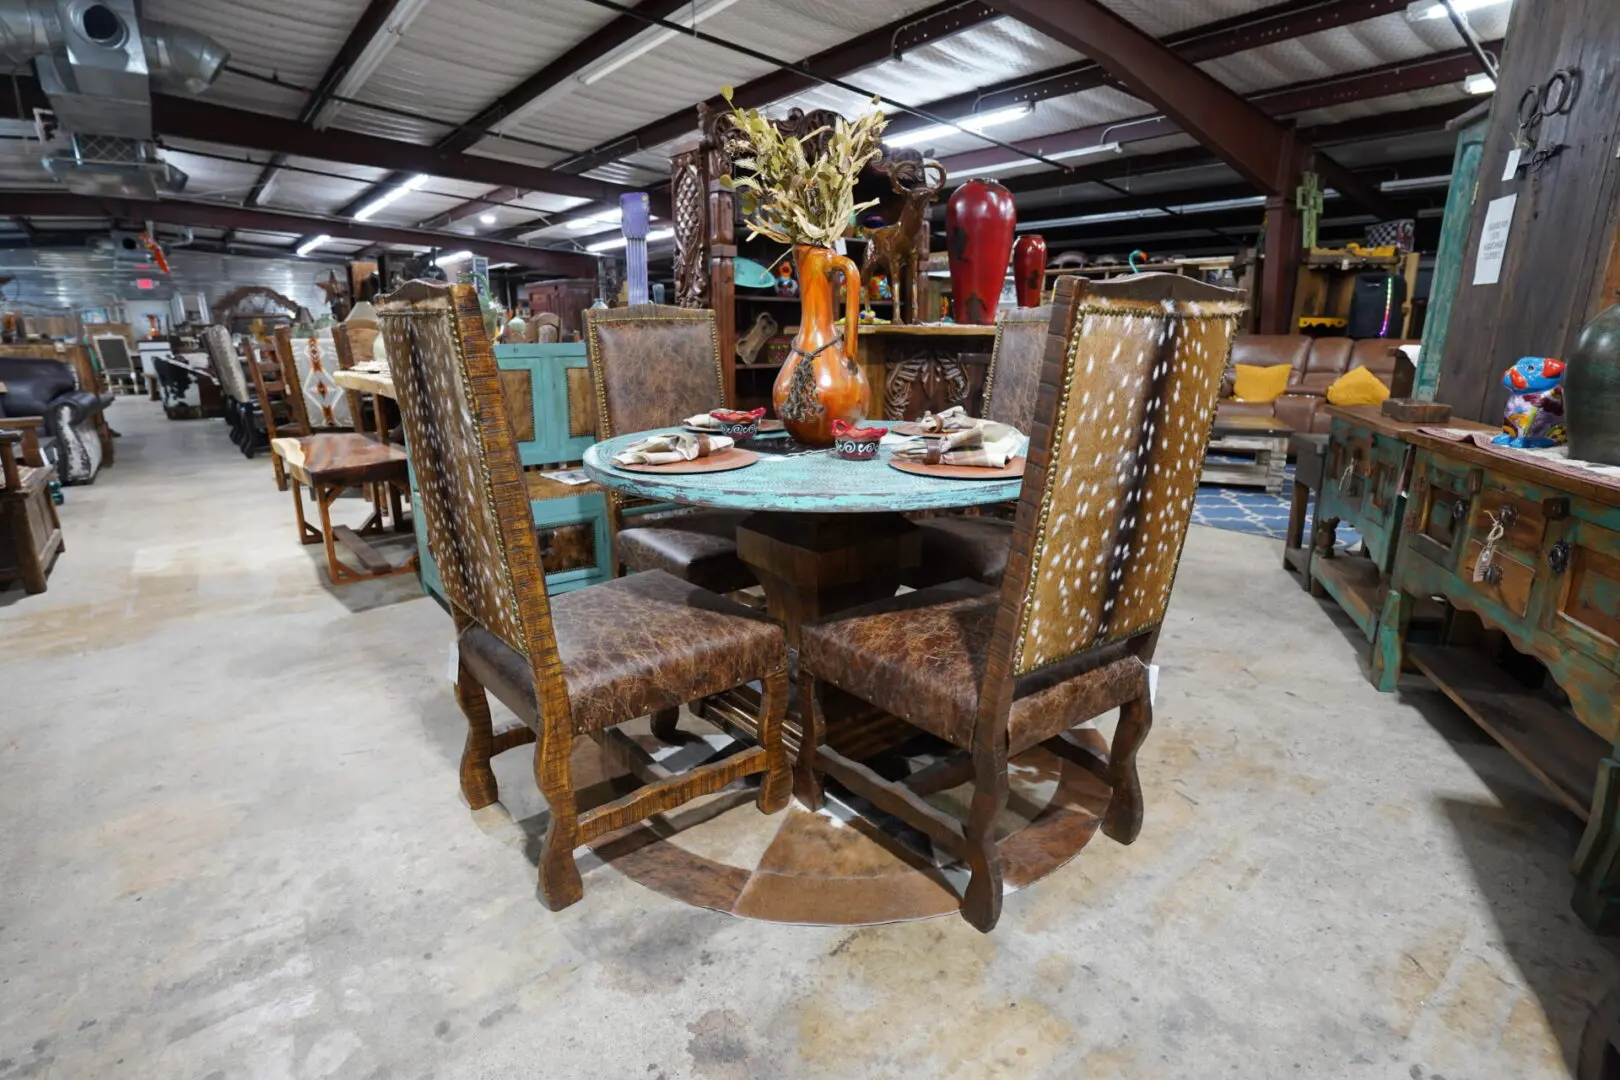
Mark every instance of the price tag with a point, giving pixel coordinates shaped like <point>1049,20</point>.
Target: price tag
<point>1512,169</point>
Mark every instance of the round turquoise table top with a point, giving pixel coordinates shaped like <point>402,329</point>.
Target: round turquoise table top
<point>815,482</point>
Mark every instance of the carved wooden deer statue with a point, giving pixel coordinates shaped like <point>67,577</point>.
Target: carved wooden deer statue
<point>899,248</point>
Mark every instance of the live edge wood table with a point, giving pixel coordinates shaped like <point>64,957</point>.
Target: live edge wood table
<point>1551,589</point>
<point>825,534</point>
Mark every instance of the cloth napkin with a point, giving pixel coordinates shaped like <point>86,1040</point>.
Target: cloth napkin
<point>954,418</point>
<point>987,444</point>
<point>668,449</point>
<point>704,420</point>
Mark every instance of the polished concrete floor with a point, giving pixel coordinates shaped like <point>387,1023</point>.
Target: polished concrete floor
<point>232,845</point>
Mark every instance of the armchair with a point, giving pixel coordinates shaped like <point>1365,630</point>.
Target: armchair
<point>65,417</point>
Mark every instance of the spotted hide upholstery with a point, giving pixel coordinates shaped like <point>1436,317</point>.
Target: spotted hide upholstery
<point>1121,418</point>
<point>596,657</point>
<point>652,366</point>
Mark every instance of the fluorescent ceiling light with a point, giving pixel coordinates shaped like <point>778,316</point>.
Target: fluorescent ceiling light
<point>1427,9</point>
<point>370,58</point>
<point>971,123</point>
<point>502,265</point>
<point>1151,212</point>
<point>618,241</point>
<point>595,222</point>
<point>1019,163</point>
<point>1479,83</point>
<point>1416,183</point>
<point>454,256</point>
<point>487,217</point>
<point>391,196</point>
<point>310,245</point>
<point>637,48</point>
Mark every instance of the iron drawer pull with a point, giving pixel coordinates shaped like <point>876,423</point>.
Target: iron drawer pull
<point>1558,557</point>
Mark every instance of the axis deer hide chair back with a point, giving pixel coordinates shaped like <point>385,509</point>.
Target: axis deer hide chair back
<point>241,402</point>
<point>1127,393</point>
<point>975,546</point>
<point>575,664</point>
<point>654,365</point>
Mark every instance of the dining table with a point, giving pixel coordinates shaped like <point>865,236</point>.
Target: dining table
<point>823,534</point>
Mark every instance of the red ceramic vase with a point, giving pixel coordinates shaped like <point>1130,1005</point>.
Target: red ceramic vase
<point>1029,269</point>
<point>979,222</point>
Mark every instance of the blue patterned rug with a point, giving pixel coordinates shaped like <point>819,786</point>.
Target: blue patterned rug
<point>1251,510</point>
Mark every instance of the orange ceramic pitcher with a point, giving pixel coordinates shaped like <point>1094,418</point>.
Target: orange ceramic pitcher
<point>822,380</point>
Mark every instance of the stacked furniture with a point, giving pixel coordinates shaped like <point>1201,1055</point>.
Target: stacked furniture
<point>67,419</point>
<point>1315,363</point>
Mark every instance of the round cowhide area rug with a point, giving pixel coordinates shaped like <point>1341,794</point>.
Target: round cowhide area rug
<point>849,863</point>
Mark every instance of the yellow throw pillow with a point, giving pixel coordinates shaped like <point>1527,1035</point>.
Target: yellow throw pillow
<point>1261,384</point>
<point>1358,386</point>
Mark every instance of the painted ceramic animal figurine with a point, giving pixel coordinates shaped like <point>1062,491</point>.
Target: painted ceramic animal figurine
<point>1534,416</point>
<point>785,283</point>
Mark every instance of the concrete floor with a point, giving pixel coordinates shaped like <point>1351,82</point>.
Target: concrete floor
<point>233,846</point>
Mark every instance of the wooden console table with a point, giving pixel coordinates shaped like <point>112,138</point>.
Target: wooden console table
<point>1364,486</point>
<point>1551,589</point>
<point>914,368</point>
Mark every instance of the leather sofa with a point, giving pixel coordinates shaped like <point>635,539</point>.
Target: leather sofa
<point>66,417</point>
<point>1316,364</point>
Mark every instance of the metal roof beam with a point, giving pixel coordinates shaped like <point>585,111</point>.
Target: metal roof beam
<point>190,118</point>
<point>1263,151</point>
<point>1279,22</point>
<point>366,28</point>
<point>220,216</point>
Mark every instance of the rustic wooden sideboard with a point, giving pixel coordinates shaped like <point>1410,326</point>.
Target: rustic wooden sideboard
<point>1550,589</point>
<point>1364,482</point>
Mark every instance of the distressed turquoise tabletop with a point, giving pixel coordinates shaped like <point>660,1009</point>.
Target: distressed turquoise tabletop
<point>805,483</point>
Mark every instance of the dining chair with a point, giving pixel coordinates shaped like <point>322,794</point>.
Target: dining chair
<point>975,545</point>
<point>275,402</point>
<point>579,663</point>
<point>652,366</point>
<point>240,402</point>
<point>1121,418</point>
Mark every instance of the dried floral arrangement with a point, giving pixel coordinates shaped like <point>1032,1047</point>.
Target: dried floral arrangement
<point>788,197</point>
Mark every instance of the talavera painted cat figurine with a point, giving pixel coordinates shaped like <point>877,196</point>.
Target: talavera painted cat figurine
<point>1534,416</point>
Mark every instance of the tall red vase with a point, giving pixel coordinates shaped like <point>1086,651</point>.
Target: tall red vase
<point>979,222</point>
<point>1029,269</point>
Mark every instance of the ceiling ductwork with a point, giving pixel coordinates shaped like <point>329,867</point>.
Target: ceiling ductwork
<point>98,63</point>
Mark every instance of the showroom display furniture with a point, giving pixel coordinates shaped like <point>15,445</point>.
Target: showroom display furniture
<point>30,531</point>
<point>1317,363</point>
<point>277,401</point>
<point>241,405</point>
<point>1062,640</point>
<point>975,546</point>
<point>331,463</point>
<point>188,385</point>
<point>1525,553</point>
<point>577,664</point>
<point>68,420</point>
<point>1300,537</point>
<point>1368,458</point>
<point>552,409</point>
<point>653,365</point>
<point>1248,451</point>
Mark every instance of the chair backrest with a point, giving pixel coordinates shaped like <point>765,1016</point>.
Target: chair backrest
<point>271,390</point>
<point>1014,377</point>
<point>1127,394</point>
<point>653,365</point>
<point>227,365</point>
<point>288,359</point>
<point>479,527</point>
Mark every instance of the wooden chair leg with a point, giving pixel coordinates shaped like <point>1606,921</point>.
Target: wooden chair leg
<point>306,534</point>
<point>981,906</point>
<point>324,498</point>
<point>776,786</point>
<point>1123,819</point>
<point>281,471</point>
<point>478,784</point>
<point>806,781</point>
<point>664,723</point>
<point>560,884</point>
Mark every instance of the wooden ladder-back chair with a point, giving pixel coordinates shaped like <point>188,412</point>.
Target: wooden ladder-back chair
<point>654,365</point>
<point>581,662</point>
<point>975,545</point>
<point>280,417</point>
<point>1127,394</point>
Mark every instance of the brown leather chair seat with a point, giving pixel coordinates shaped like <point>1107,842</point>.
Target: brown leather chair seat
<point>922,656</point>
<point>962,547</point>
<point>699,546</point>
<point>630,647</point>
